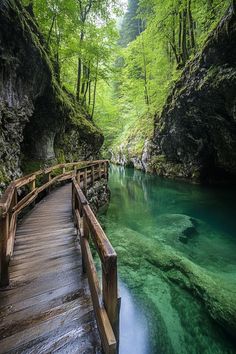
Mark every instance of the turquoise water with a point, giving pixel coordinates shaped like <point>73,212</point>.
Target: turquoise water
<point>176,246</point>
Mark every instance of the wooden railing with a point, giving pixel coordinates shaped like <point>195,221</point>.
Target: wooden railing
<point>83,174</point>
<point>106,303</point>
<point>32,186</point>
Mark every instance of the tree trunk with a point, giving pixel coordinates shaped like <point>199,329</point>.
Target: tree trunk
<point>94,90</point>
<point>86,85</point>
<point>175,52</point>
<point>180,37</point>
<point>184,37</point>
<point>50,30</point>
<point>79,72</point>
<point>89,93</point>
<point>83,80</point>
<point>57,61</point>
<point>191,26</point>
<point>146,97</point>
<point>78,80</point>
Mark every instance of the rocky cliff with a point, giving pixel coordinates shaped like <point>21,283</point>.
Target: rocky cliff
<point>195,135</point>
<point>38,120</point>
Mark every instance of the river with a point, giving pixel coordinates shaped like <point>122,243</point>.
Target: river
<point>151,220</point>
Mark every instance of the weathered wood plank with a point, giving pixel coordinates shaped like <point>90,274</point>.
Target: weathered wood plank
<point>48,305</point>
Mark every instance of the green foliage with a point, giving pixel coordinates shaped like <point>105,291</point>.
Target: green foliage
<point>130,24</point>
<point>124,81</point>
<point>30,166</point>
<point>170,34</point>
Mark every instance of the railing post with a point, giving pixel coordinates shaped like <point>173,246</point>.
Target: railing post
<point>92,175</point>
<point>99,171</point>
<point>63,170</point>
<point>110,293</point>
<point>73,200</point>
<point>32,185</point>
<point>106,169</point>
<point>85,234</point>
<point>78,177</point>
<point>4,232</point>
<point>85,181</point>
<point>15,197</point>
<point>48,178</point>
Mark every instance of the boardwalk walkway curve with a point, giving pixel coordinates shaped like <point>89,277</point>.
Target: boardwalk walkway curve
<point>46,305</point>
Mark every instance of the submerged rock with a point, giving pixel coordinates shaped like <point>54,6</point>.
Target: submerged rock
<point>137,252</point>
<point>172,227</point>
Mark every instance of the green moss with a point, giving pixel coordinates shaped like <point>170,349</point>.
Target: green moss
<point>85,126</point>
<point>161,166</point>
<point>162,260</point>
<point>60,155</point>
<point>3,177</point>
<point>30,166</point>
<point>130,142</point>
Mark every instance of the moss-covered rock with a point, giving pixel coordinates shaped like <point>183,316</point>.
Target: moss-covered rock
<point>37,116</point>
<point>195,135</point>
<point>99,195</point>
<point>137,253</point>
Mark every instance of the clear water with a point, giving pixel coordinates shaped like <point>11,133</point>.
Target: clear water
<point>149,219</point>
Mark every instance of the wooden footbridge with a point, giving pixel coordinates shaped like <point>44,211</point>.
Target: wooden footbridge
<point>51,299</point>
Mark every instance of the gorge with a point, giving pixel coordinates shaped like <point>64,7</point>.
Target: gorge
<point>150,86</point>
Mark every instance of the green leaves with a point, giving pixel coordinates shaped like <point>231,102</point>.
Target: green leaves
<point>126,78</point>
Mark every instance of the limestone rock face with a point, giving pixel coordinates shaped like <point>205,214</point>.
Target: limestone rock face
<point>36,115</point>
<point>124,156</point>
<point>99,195</point>
<point>195,135</point>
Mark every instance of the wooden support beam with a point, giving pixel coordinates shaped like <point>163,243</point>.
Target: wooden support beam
<point>99,170</point>
<point>85,181</point>
<point>108,339</point>
<point>4,232</point>
<point>32,184</point>
<point>110,293</point>
<point>92,175</point>
<point>48,180</point>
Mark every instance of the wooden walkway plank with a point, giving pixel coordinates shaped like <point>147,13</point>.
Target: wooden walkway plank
<point>48,307</point>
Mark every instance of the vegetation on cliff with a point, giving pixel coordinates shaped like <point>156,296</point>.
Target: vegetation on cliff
<point>40,120</point>
<point>76,62</point>
<point>161,39</point>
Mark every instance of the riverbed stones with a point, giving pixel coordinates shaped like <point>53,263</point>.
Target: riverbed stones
<point>138,253</point>
<point>172,227</point>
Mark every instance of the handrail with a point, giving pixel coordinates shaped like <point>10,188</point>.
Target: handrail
<point>84,173</point>
<point>6,198</point>
<point>11,206</point>
<point>106,302</point>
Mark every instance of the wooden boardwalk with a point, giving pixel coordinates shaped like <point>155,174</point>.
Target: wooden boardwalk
<point>48,308</point>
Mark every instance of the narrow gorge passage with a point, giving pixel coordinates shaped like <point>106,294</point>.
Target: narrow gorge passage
<point>149,217</point>
<point>147,84</point>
